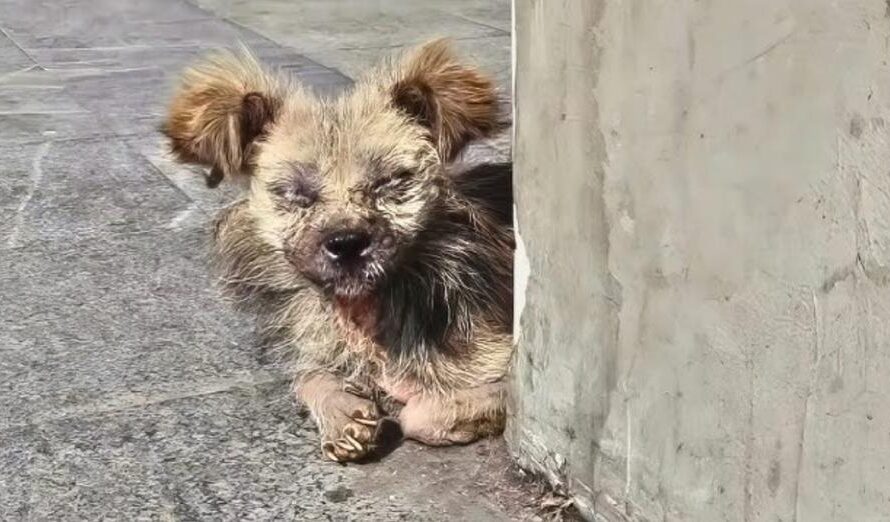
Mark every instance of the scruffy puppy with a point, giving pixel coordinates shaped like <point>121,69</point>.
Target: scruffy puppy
<point>384,269</point>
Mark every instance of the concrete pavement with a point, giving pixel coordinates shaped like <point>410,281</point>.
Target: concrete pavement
<point>128,390</point>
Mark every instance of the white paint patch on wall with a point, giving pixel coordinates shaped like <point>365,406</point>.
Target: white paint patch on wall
<point>521,268</point>
<point>521,272</point>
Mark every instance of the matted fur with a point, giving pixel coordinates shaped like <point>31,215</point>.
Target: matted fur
<point>427,313</point>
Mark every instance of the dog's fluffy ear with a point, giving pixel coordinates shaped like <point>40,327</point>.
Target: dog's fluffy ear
<point>223,104</point>
<point>456,102</point>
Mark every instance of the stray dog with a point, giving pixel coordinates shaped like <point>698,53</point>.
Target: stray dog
<point>382,266</point>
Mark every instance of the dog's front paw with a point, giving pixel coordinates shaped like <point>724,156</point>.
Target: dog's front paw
<point>349,427</point>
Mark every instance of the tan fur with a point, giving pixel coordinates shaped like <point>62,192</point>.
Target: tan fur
<point>464,104</point>
<point>457,418</point>
<point>322,340</point>
<point>315,167</point>
<point>207,116</point>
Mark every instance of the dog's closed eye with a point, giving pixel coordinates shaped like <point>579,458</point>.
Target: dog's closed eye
<point>392,180</point>
<point>295,192</point>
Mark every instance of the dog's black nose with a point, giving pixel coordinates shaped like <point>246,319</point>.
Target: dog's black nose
<point>346,246</point>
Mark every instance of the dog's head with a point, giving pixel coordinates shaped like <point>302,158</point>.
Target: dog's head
<point>343,188</point>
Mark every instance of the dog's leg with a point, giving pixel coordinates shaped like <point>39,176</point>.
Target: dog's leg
<point>456,418</point>
<point>347,422</point>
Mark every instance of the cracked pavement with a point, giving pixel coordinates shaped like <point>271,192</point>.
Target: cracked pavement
<point>129,390</point>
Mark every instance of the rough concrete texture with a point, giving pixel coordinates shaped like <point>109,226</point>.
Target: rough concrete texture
<point>352,35</point>
<point>127,389</point>
<point>704,336</point>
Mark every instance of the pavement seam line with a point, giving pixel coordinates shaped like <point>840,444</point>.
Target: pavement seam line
<point>19,47</point>
<point>35,178</point>
<point>477,22</point>
<point>247,29</point>
<point>131,400</point>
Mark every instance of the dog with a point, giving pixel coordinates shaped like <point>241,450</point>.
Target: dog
<point>377,260</point>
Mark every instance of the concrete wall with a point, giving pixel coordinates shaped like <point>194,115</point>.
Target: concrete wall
<point>703,194</point>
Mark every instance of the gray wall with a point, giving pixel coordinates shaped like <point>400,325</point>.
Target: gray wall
<point>703,194</point>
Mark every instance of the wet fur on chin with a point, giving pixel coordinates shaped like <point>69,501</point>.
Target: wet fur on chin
<point>437,313</point>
